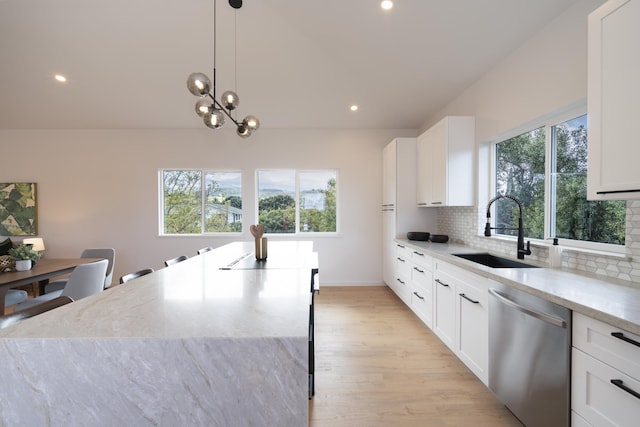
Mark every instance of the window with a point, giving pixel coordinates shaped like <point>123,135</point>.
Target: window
<point>198,202</point>
<point>292,201</point>
<point>546,169</point>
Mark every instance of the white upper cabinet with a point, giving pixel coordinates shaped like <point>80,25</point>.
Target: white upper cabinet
<point>389,159</point>
<point>614,101</point>
<point>445,163</point>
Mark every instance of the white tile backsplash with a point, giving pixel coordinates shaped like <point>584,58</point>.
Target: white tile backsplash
<point>465,225</point>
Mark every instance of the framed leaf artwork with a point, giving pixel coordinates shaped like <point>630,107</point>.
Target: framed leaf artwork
<point>18,209</point>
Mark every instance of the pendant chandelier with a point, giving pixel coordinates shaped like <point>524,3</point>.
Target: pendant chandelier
<point>213,112</point>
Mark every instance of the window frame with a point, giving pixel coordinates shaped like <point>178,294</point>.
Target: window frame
<point>203,212</point>
<point>297,172</point>
<point>548,121</point>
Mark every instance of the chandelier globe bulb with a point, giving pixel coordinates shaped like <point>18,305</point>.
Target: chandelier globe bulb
<point>214,119</point>
<point>203,106</point>
<point>198,84</point>
<point>251,122</point>
<point>230,100</point>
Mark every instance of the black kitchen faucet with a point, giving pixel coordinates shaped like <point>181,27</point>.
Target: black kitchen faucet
<point>487,228</point>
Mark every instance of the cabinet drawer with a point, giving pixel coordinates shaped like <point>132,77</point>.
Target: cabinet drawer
<point>403,268</point>
<point>596,399</point>
<point>609,344</point>
<point>421,276</point>
<point>421,259</point>
<point>402,251</point>
<point>578,421</point>
<point>422,304</point>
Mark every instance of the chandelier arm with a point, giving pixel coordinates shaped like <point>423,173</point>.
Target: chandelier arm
<point>224,110</point>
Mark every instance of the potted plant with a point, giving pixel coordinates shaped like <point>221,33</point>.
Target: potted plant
<point>25,257</point>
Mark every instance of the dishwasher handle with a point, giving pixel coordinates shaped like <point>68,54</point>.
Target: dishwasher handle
<point>555,321</point>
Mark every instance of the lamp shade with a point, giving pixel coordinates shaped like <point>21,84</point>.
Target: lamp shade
<point>251,122</point>
<point>214,119</point>
<point>230,100</point>
<point>198,84</point>
<point>37,244</point>
<point>203,106</point>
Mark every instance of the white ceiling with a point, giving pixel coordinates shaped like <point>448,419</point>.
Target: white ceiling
<point>300,64</point>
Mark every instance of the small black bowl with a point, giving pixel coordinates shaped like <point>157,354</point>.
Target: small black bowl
<point>439,238</point>
<point>422,236</point>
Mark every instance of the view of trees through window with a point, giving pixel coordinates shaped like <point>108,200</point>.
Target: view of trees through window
<point>284,195</point>
<point>520,171</point>
<point>196,202</point>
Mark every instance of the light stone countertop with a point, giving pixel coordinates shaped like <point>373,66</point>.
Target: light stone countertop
<point>215,340</point>
<point>594,296</point>
<point>194,298</point>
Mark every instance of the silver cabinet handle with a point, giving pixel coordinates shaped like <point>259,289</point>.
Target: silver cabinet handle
<point>401,282</point>
<point>556,321</point>
<point>418,295</point>
<point>418,270</point>
<point>418,253</point>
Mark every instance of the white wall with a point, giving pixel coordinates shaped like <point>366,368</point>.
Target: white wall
<point>99,188</point>
<point>545,74</point>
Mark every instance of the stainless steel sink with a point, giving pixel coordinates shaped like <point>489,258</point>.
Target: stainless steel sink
<point>493,261</point>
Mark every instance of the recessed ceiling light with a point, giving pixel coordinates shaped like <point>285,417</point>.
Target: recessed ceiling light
<point>354,108</point>
<point>60,78</point>
<point>386,4</point>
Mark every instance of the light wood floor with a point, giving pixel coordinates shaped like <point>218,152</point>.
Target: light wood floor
<point>377,364</point>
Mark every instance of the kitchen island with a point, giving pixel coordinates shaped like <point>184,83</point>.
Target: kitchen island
<point>216,340</point>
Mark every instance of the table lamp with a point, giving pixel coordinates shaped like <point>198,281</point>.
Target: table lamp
<point>37,244</point>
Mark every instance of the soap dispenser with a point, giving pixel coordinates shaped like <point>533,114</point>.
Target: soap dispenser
<point>555,254</point>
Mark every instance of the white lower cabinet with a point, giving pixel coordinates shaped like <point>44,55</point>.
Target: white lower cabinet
<point>461,317</point>
<point>402,270</point>
<point>444,317</point>
<point>605,374</point>
<point>473,327</point>
<point>421,292</point>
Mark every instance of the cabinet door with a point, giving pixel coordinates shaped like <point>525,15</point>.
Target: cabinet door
<point>596,397</point>
<point>614,101</point>
<point>389,175</point>
<point>423,173</point>
<point>438,142</point>
<point>473,329</point>
<point>445,316</point>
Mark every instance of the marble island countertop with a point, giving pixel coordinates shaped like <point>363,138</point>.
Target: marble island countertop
<point>594,296</point>
<point>217,339</point>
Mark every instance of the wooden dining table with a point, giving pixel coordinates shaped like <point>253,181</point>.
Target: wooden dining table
<point>44,270</point>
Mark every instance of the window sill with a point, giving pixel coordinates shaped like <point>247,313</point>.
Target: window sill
<point>537,243</point>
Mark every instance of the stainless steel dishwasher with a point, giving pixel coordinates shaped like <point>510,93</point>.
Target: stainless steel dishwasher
<point>530,356</point>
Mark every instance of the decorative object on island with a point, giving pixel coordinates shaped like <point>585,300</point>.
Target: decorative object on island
<point>257,230</point>
<point>212,111</point>
<point>25,257</point>
<point>18,209</point>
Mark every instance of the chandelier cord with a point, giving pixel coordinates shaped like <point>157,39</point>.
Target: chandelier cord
<point>235,52</point>
<point>215,40</point>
